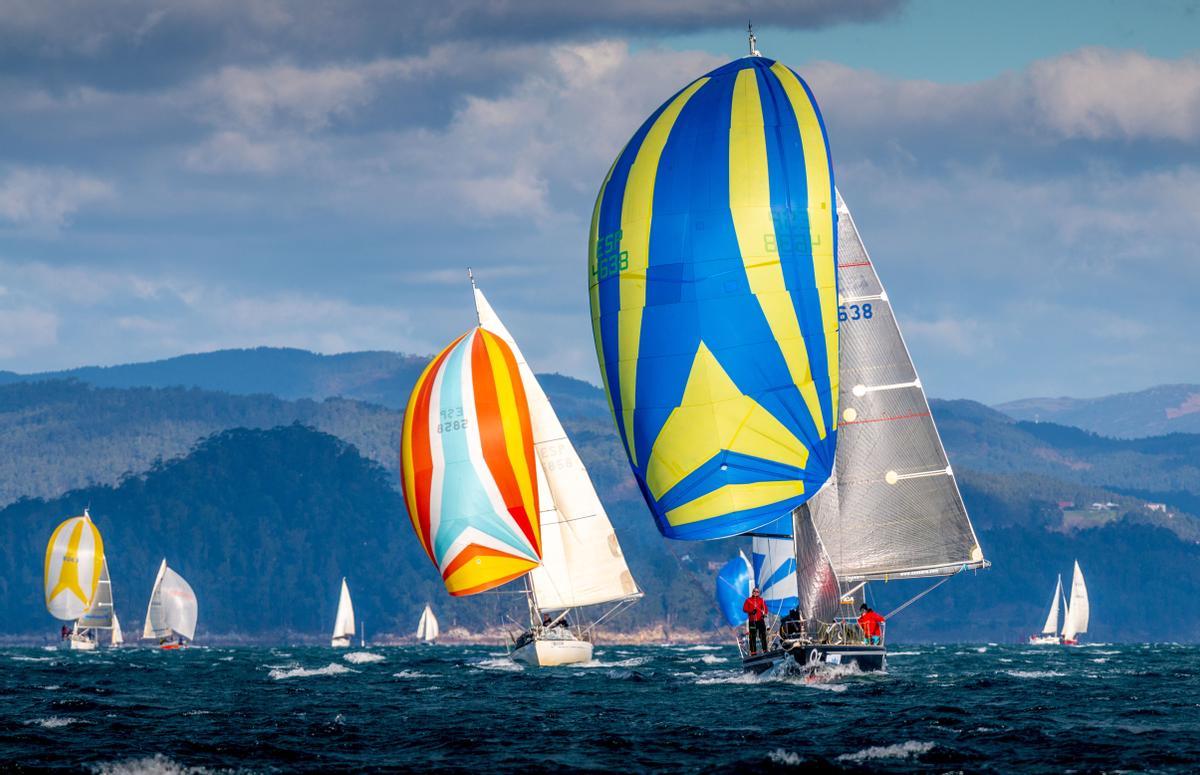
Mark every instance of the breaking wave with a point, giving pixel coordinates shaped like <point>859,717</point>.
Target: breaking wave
<point>333,668</point>
<point>362,657</point>
<point>903,750</point>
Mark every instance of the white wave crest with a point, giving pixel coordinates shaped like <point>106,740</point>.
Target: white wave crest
<point>903,654</point>
<point>698,648</point>
<point>54,722</point>
<point>147,765</point>
<point>631,662</point>
<point>333,668</point>
<point>362,657</point>
<point>18,658</point>
<point>1035,673</point>
<point>710,659</point>
<point>410,674</point>
<point>903,750</point>
<point>503,664</point>
<point>788,758</point>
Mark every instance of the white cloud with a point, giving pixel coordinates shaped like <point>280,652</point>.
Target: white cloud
<point>46,198</point>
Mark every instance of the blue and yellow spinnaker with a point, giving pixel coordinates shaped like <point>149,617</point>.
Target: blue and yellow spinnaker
<point>714,301</point>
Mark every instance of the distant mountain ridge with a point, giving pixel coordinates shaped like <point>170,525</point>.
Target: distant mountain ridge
<point>1155,411</point>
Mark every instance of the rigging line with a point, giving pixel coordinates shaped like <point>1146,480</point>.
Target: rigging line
<point>926,592</point>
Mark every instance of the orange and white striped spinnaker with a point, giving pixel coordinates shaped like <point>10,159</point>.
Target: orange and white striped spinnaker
<point>74,563</point>
<point>467,465</point>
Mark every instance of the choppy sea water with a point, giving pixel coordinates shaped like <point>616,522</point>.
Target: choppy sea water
<point>938,708</point>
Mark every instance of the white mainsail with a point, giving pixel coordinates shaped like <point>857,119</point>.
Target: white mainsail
<point>118,637</point>
<point>582,563</point>
<point>99,615</point>
<point>343,625</point>
<point>892,508</point>
<point>1051,625</point>
<point>1078,610</point>
<point>427,627</point>
<point>172,608</point>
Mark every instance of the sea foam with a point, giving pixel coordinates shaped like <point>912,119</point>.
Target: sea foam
<point>903,750</point>
<point>362,657</point>
<point>333,668</point>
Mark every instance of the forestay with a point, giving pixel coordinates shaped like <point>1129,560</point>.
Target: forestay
<point>1079,610</point>
<point>582,562</point>
<point>893,508</point>
<point>172,607</point>
<point>713,299</point>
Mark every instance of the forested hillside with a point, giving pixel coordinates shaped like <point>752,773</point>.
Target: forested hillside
<point>1152,412</point>
<point>266,516</point>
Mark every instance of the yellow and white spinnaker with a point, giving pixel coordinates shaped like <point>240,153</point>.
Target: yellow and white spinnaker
<point>74,565</point>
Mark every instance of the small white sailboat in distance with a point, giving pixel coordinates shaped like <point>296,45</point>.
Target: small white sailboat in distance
<point>1076,613</point>
<point>1049,633</point>
<point>343,625</point>
<point>172,612</point>
<point>427,628</point>
<point>118,637</point>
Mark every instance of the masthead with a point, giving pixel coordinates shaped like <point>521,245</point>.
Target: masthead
<point>754,52</point>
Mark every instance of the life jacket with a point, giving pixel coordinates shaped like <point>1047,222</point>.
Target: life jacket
<point>869,622</point>
<point>756,607</point>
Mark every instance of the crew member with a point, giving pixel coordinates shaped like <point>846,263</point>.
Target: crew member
<point>756,612</point>
<point>870,623</point>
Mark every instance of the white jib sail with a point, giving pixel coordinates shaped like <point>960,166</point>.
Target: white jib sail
<point>1051,625</point>
<point>892,508</point>
<point>118,637</point>
<point>99,615</point>
<point>1078,611</point>
<point>173,608</point>
<point>427,628</point>
<point>582,562</point>
<point>343,625</point>
<point>775,572</point>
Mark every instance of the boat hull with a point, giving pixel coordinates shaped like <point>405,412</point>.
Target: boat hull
<point>554,652</point>
<point>340,643</point>
<point>81,644</point>
<point>1045,640</point>
<point>866,658</point>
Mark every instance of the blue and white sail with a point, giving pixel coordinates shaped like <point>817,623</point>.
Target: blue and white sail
<point>733,587</point>
<point>774,563</point>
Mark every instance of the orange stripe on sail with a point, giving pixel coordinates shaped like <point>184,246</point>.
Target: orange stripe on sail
<point>493,418</point>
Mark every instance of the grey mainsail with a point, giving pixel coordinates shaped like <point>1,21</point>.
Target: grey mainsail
<point>892,508</point>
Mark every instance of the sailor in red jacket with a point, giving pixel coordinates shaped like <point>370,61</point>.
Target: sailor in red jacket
<point>756,612</point>
<point>870,623</point>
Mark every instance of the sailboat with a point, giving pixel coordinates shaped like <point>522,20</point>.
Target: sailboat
<point>77,586</point>
<point>343,625</point>
<point>172,612</point>
<point>1076,613</point>
<point>427,627</point>
<point>496,492</point>
<point>582,563</point>
<point>756,374</point>
<point>1049,635</point>
<point>118,637</point>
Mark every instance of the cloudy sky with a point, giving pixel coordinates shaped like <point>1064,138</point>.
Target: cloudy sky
<point>197,174</point>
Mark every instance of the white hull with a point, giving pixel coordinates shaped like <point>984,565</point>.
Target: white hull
<point>340,643</point>
<point>1044,640</point>
<point>80,644</point>
<point>550,653</point>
